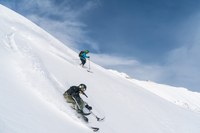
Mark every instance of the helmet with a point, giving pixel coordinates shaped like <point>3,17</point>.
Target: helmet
<point>82,87</point>
<point>87,51</point>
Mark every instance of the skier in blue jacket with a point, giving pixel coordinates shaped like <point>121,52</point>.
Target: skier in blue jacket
<point>83,57</point>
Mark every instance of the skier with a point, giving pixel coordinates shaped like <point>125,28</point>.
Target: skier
<point>72,96</point>
<point>83,57</point>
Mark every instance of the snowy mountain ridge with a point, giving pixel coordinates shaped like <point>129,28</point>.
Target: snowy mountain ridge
<point>177,95</point>
<point>36,69</point>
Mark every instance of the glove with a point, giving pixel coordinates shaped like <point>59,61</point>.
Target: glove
<point>88,107</point>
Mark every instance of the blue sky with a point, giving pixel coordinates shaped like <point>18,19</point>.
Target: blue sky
<point>154,40</point>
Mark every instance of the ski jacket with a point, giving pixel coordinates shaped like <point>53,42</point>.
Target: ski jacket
<point>74,91</point>
<point>84,56</point>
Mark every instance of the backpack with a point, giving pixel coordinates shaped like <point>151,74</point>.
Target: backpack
<point>80,54</point>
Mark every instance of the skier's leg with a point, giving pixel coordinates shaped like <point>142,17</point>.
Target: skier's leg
<point>79,103</point>
<point>83,61</point>
<point>69,99</point>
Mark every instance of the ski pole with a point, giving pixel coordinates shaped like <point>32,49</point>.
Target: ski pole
<point>98,119</point>
<point>77,103</point>
<point>89,63</point>
<point>84,94</point>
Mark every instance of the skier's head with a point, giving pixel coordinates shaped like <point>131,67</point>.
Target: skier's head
<point>87,51</point>
<point>82,87</point>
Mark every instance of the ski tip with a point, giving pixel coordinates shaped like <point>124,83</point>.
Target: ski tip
<point>89,71</point>
<point>100,119</point>
<point>95,129</point>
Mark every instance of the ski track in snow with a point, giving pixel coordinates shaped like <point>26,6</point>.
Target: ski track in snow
<point>64,57</point>
<point>38,72</point>
<point>36,75</point>
<point>9,42</point>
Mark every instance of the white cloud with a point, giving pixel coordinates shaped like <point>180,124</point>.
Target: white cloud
<point>133,68</point>
<point>109,60</point>
<point>183,63</point>
<point>61,20</point>
<point>183,66</point>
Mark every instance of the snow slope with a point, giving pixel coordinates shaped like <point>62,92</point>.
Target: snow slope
<point>35,71</point>
<point>177,95</point>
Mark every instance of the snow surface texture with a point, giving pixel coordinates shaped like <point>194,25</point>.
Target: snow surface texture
<point>36,69</point>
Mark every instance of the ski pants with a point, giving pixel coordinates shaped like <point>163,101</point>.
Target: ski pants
<point>83,61</point>
<point>77,102</point>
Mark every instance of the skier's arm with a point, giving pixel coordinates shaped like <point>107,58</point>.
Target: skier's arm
<point>85,56</point>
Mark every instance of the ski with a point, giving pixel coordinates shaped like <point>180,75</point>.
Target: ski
<point>86,120</point>
<point>95,129</point>
<point>100,119</point>
<point>82,117</point>
<point>89,71</point>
